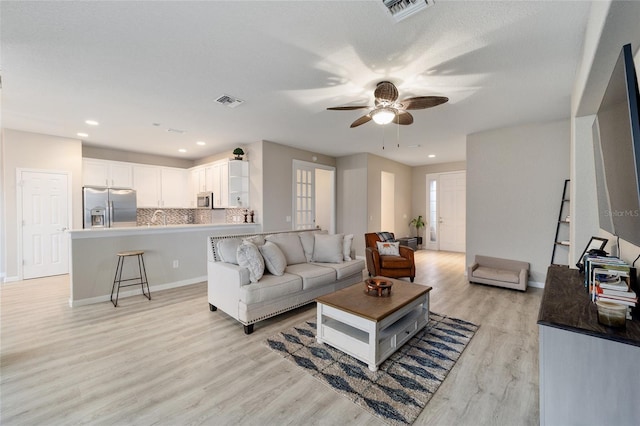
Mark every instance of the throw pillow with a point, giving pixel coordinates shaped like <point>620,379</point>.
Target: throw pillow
<point>227,249</point>
<point>274,259</point>
<point>388,248</point>
<point>346,247</point>
<point>307,239</point>
<point>291,247</point>
<point>328,248</point>
<point>258,240</point>
<point>249,257</point>
<point>385,236</point>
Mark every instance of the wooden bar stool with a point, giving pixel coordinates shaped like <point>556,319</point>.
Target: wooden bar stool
<point>141,279</point>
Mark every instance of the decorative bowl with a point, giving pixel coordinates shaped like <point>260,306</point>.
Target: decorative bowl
<point>378,287</point>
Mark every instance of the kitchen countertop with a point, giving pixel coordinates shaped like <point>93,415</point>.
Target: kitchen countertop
<point>159,229</point>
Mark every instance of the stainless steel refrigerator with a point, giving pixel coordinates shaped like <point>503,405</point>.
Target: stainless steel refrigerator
<point>109,207</point>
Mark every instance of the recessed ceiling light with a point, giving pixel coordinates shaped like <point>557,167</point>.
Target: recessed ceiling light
<point>432,156</point>
<point>201,143</point>
<point>414,146</point>
<point>83,135</point>
<point>92,122</point>
<point>182,150</point>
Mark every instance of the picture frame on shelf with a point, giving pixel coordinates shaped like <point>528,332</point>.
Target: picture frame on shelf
<point>595,243</point>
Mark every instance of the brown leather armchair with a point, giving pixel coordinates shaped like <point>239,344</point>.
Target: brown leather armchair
<point>388,266</point>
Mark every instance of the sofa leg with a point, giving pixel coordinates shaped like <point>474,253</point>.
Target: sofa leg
<point>212,308</point>
<point>411,279</point>
<point>248,329</point>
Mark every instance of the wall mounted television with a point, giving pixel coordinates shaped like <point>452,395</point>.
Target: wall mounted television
<point>616,140</point>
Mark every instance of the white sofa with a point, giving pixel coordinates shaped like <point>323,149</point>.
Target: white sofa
<point>313,268</point>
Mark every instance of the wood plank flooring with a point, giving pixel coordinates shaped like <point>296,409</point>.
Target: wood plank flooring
<point>170,361</point>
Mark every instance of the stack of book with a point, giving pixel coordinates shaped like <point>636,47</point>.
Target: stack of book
<point>608,279</point>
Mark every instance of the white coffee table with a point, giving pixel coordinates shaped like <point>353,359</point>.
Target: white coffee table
<point>368,327</point>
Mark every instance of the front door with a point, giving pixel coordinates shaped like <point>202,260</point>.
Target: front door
<point>45,217</point>
<point>452,217</point>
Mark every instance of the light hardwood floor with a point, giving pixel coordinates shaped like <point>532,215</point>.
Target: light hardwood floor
<point>170,361</point>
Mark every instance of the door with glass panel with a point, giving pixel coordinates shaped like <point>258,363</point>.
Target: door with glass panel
<point>446,204</point>
<point>304,197</point>
<point>313,196</point>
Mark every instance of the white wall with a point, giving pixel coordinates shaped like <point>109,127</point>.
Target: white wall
<point>53,153</point>
<point>277,182</point>
<point>515,178</point>
<point>611,25</point>
<point>352,198</point>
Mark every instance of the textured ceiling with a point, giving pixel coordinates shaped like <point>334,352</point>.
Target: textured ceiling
<point>131,64</point>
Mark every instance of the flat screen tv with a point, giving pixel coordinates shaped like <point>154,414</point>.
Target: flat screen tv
<point>617,152</point>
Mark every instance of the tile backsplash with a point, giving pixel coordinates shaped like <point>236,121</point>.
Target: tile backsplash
<point>191,216</point>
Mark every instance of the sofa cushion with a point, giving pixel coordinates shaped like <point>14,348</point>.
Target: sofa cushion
<point>395,262</point>
<point>308,239</point>
<point>291,247</point>
<point>227,249</point>
<point>258,240</point>
<point>249,257</point>
<point>489,273</point>
<point>274,259</point>
<point>312,275</point>
<point>346,247</point>
<point>328,248</point>
<point>388,248</point>
<point>346,269</point>
<point>270,288</point>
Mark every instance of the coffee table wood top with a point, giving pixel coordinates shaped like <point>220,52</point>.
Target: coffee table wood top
<point>355,300</point>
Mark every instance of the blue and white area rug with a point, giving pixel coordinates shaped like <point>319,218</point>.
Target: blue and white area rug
<point>403,384</point>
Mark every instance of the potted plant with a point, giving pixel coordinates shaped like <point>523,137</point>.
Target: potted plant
<point>418,223</point>
<point>238,152</point>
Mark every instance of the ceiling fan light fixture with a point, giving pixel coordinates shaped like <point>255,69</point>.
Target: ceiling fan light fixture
<point>383,115</point>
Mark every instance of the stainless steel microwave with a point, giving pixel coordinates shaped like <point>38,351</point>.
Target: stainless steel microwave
<point>205,200</point>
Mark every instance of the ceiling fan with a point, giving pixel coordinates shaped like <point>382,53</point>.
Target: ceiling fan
<point>387,109</point>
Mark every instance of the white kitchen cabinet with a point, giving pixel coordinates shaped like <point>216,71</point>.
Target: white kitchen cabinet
<point>173,184</point>
<point>160,186</point>
<point>146,182</point>
<point>114,174</point>
<point>238,183</point>
<point>230,183</point>
<point>220,181</point>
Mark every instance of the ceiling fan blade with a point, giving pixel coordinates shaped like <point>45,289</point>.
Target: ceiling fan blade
<point>348,107</point>
<point>422,102</point>
<point>361,120</point>
<point>403,117</point>
<point>386,91</point>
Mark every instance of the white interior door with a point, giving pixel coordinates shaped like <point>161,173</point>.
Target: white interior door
<point>45,217</point>
<point>304,216</point>
<point>452,211</point>
<point>314,196</point>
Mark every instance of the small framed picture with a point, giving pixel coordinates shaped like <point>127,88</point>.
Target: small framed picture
<point>595,243</point>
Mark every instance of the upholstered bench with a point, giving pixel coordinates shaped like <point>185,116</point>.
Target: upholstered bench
<point>506,273</point>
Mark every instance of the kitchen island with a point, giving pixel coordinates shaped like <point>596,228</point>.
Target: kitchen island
<point>174,256</point>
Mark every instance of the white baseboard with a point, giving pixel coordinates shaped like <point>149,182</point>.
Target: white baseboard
<point>535,284</point>
<point>10,279</point>
<point>137,291</point>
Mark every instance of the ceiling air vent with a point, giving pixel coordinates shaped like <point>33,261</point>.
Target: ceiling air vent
<point>229,101</point>
<point>402,9</point>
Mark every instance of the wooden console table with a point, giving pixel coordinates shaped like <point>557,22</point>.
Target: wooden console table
<point>589,373</point>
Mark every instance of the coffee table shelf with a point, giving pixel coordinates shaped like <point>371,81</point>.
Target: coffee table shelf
<point>372,328</point>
